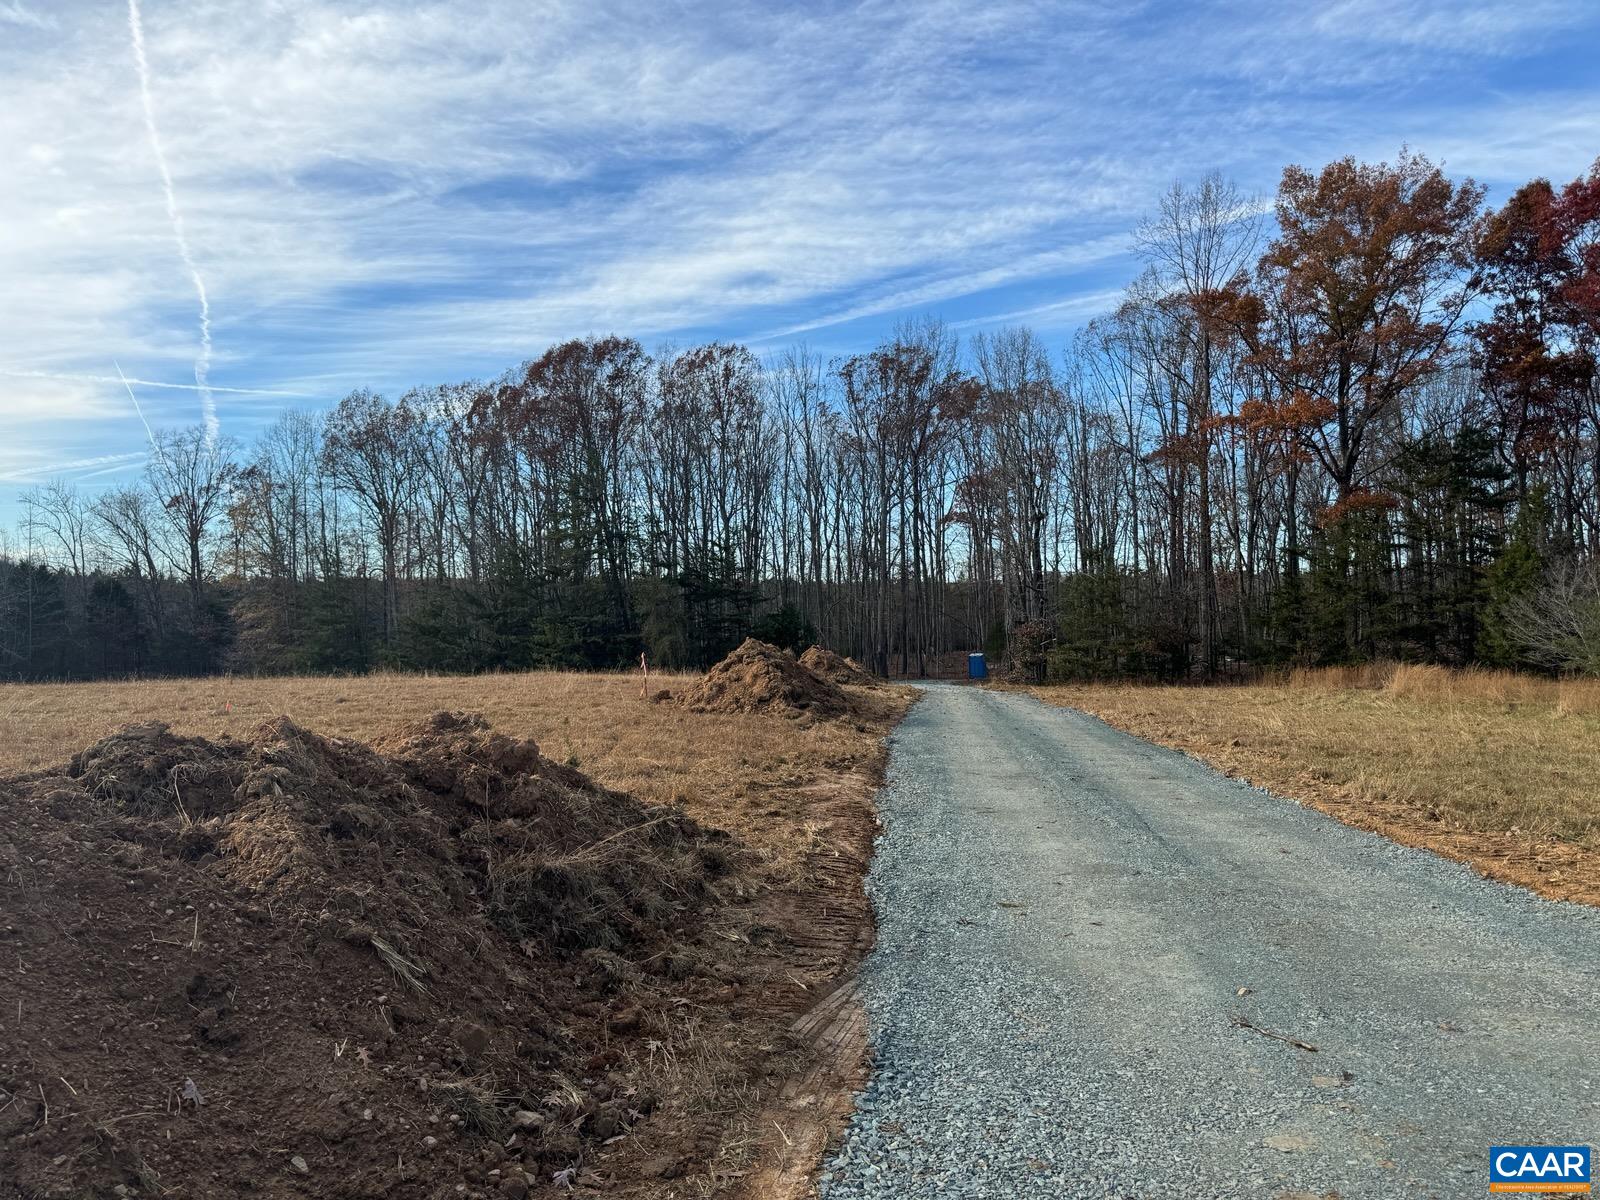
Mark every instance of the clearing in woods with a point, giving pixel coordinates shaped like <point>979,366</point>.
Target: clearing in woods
<point>652,1042</point>
<point>717,1014</point>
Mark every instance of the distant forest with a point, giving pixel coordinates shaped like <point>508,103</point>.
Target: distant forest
<point>1362,422</point>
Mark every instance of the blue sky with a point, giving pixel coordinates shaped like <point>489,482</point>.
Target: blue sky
<point>386,194</point>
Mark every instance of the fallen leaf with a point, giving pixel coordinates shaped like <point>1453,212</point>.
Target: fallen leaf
<point>1287,1143</point>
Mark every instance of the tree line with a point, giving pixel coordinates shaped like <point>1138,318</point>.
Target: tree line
<point>1362,421</point>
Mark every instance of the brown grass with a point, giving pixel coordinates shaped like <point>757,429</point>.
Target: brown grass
<point>1441,685</point>
<point>1493,768</point>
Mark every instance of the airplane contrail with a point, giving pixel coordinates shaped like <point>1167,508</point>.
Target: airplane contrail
<point>202,363</point>
<point>104,462</point>
<point>136,408</point>
<point>76,377</point>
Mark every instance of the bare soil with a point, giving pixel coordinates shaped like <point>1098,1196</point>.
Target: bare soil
<point>349,950</point>
<point>760,678</point>
<point>296,958</point>
<point>836,668</point>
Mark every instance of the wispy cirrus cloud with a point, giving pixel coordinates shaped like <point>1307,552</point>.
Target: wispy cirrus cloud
<point>386,192</point>
<point>14,12</point>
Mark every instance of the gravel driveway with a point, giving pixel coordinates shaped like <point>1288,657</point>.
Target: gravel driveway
<point>1067,918</point>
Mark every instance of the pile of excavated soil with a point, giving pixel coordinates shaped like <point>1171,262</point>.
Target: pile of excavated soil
<point>836,668</point>
<point>297,965</point>
<point>760,678</point>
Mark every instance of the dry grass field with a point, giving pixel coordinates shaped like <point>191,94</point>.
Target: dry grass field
<point>717,765</point>
<point>795,791</point>
<point>1492,768</point>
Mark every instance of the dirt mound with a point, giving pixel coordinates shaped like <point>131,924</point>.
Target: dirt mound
<point>757,677</point>
<point>292,964</point>
<point>836,668</point>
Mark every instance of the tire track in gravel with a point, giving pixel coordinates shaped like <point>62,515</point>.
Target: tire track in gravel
<point>1066,916</point>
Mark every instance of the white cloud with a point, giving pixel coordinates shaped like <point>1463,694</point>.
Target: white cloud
<point>1056,315</point>
<point>388,192</point>
<point>1493,27</point>
<point>14,12</point>
<point>1555,137</point>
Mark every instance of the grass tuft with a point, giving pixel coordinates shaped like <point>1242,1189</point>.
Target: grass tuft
<point>1442,685</point>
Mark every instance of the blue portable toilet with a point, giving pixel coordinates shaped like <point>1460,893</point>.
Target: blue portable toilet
<point>977,668</point>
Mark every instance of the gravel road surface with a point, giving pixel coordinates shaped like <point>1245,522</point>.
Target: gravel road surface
<point>1067,917</point>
